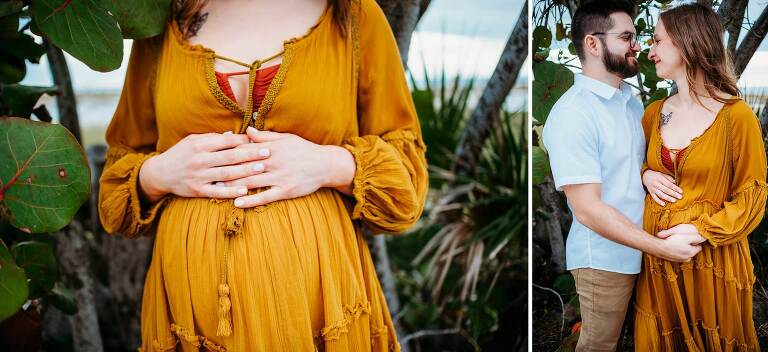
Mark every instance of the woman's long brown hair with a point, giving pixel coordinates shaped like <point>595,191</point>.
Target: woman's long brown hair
<point>697,32</point>
<point>183,11</point>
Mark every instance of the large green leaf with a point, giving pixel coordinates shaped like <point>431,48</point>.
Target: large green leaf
<point>39,264</point>
<point>10,7</point>
<point>22,99</point>
<point>82,28</point>
<point>542,38</point>
<point>9,26</point>
<point>44,172</point>
<point>140,18</point>
<point>22,47</point>
<point>12,70</point>
<point>550,81</point>
<point>540,167</point>
<point>62,299</point>
<point>13,284</point>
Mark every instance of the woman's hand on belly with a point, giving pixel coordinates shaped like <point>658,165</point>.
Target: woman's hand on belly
<point>661,187</point>
<point>192,167</point>
<point>296,167</point>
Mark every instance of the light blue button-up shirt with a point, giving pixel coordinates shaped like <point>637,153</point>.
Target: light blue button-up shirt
<point>594,135</point>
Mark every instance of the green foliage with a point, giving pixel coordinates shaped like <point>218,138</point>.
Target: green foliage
<point>442,110</point>
<point>484,272</point>
<point>139,18</point>
<point>13,284</point>
<point>21,99</point>
<point>90,30</point>
<point>15,46</point>
<point>39,264</point>
<point>82,28</point>
<point>62,299</point>
<point>550,81</point>
<point>44,179</point>
<point>540,165</point>
<point>45,175</point>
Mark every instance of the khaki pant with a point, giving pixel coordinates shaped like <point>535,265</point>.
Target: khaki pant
<point>603,298</point>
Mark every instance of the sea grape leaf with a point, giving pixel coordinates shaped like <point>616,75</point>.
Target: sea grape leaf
<point>13,284</point>
<point>44,173</point>
<point>141,18</point>
<point>39,264</point>
<point>82,28</point>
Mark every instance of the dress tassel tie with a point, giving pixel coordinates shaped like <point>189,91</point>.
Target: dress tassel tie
<point>233,227</point>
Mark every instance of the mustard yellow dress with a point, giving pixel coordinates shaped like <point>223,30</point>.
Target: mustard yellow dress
<point>705,304</point>
<point>293,275</point>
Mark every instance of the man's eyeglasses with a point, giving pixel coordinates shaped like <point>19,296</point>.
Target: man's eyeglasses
<point>631,38</point>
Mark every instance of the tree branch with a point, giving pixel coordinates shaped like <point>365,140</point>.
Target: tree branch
<point>65,100</point>
<point>733,25</point>
<point>484,118</point>
<point>751,42</point>
<point>403,15</point>
<point>550,201</point>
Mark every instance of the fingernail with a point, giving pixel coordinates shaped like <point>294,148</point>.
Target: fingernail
<point>258,167</point>
<point>239,202</point>
<point>228,132</point>
<point>264,152</point>
<point>242,191</point>
<point>252,129</point>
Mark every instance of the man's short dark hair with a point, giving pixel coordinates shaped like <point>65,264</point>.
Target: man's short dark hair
<point>595,16</point>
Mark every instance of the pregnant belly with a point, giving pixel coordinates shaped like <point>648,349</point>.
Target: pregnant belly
<point>289,258</point>
<point>657,218</point>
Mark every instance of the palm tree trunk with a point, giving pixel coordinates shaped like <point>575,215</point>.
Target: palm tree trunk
<point>403,15</point>
<point>484,118</point>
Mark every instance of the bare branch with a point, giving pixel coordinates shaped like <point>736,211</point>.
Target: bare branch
<point>751,42</point>
<point>562,304</point>
<point>733,26</point>
<point>424,333</point>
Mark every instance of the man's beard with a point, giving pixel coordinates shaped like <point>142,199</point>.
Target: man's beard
<point>619,64</point>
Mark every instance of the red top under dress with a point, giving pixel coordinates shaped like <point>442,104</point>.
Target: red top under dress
<point>666,158</point>
<point>263,79</point>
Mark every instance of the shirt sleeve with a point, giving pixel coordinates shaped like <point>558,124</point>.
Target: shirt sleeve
<point>746,207</point>
<point>391,182</point>
<point>572,142</point>
<point>131,138</point>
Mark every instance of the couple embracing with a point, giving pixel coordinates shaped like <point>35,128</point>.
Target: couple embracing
<point>663,198</point>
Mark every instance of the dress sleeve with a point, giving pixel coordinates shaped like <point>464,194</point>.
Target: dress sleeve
<point>744,211</point>
<point>131,137</point>
<point>390,182</point>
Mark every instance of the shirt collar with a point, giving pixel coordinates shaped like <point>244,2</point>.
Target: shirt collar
<point>601,89</point>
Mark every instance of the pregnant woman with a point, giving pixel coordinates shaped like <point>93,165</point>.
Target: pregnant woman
<point>706,174</point>
<point>254,140</point>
